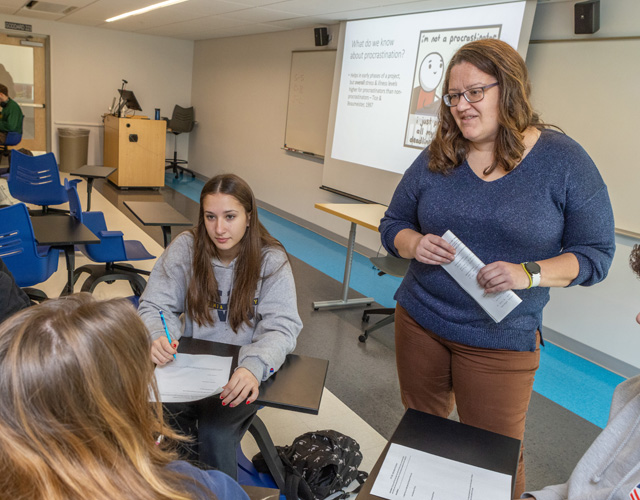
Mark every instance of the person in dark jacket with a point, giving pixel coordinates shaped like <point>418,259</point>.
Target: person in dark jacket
<point>12,297</point>
<point>11,115</point>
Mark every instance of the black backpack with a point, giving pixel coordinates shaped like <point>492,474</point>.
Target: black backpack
<point>318,464</point>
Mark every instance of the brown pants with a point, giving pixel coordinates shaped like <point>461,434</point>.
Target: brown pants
<point>491,387</point>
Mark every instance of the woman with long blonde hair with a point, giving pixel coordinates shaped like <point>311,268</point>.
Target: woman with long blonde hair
<point>75,421</point>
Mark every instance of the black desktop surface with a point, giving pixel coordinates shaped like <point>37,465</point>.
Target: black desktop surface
<point>450,439</point>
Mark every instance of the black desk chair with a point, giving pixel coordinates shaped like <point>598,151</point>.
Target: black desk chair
<point>386,265</point>
<point>182,122</point>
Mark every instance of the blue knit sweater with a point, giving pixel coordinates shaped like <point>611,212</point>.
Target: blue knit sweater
<point>554,202</point>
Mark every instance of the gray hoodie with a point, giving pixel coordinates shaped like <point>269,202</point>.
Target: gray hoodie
<point>610,468</point>
<point>277,324</point>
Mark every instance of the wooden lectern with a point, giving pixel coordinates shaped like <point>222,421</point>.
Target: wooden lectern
<point>135,147</point>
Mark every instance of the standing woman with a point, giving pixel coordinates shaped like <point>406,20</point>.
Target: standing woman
<point>233,283</point>
<point>529,202</point>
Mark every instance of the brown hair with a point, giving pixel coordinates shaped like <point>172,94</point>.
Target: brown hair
<point>75,417</point>
<point>634,260</point>
<point>494,57</point>
<point>203,288</point>
<point>4,90</point>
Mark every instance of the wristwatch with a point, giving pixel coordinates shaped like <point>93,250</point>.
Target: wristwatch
<point>533,272</point>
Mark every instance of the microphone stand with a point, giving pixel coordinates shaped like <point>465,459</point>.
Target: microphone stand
<point>120,101</point>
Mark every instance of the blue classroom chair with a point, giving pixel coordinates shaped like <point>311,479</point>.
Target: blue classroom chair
<point>36,180</point>
<point>112,249</point>
<point>29,263</point>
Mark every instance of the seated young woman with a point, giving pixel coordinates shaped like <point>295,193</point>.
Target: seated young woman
<point>75,417</point>
<point>227,280</point>
<point>610,468</point>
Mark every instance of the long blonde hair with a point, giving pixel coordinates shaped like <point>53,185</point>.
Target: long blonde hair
<point>75,421</point>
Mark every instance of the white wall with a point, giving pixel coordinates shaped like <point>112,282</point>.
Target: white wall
<point>88,65</point>
<point>240,92</point>
<point>603,316</point>
<point>240,89</point>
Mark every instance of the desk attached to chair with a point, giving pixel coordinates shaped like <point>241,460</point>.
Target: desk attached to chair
<point>158,213</point>
<point>90,173</point>
<point>450,440</point>
<point>63,232</point>
<point>296,386</point>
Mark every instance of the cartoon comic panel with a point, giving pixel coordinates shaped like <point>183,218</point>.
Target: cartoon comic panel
<point>435,50</point>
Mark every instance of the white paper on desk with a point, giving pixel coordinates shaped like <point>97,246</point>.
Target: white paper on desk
<point>412,474</point>
<point>191,377</point>
<point>464,269</point>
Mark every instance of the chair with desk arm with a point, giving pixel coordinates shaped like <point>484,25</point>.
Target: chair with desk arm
<point>111,249</point>
<point>36,180</point>
<point>182,122</point>
<point>394,267</point>
<point>29,262</point>
<point>297,386</point>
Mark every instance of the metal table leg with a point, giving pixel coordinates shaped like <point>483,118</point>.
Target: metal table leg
<point>345,301</point>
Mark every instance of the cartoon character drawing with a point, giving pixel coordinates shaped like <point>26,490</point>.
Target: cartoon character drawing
<point>424,100</point>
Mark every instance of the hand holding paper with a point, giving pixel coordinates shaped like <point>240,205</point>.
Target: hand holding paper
<point>464,269</point>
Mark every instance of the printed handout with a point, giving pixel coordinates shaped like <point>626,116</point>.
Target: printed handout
<point>191,377</point>
<point>464,269</point>
<point>407,473</point>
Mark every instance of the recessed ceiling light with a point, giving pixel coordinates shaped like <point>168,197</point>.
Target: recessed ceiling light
<point>144,9</point>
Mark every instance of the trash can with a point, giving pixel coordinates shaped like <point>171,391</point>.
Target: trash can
<point>74,148</point>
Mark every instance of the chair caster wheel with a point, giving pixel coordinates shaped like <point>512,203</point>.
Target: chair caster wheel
<point>362,338</point>
<point>365,318</point>
<point>316,308</point>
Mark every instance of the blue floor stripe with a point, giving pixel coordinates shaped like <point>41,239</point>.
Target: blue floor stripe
<point>576,384</point>
<point>569,380</point>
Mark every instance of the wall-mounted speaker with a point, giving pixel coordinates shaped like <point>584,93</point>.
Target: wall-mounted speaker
<point>322,36</point>
<point>587,17</point>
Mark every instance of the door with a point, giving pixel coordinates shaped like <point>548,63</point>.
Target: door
<point>23,71</point>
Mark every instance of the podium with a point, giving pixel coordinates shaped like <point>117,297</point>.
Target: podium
<point>135,147</point>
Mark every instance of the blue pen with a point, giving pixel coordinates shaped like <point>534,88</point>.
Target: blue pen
<point>166,330</point>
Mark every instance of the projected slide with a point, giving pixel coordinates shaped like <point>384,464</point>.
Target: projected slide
<point>434,48</point>
<point>392,75</point>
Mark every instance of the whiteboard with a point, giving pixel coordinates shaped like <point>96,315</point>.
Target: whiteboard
<point>309,98</point>
<point>589,89</point>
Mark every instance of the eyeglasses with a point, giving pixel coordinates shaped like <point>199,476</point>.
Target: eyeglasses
<point>472,95</point>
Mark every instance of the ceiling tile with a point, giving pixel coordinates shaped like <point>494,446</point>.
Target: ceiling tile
<point>98,12</point>
<point>199,26</point>
<point>201,19</point>
<point>259,15</point>
<point>248,29</point>
<point>314,8</point>
<point>304,22</point>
